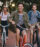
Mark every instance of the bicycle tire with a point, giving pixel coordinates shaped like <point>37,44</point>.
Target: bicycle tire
<point>3,44</point>
<point>3,39</point>
<point>28,45</point>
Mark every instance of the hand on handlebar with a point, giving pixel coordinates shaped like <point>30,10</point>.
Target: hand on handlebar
<point>13,22</point>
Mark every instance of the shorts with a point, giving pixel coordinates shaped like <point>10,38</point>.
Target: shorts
<point>21,29</point>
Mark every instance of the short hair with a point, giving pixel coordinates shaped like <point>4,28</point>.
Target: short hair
<point>20,3</point>
<point>34,4</point>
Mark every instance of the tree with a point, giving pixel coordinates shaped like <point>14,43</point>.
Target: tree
<point>27,3</point>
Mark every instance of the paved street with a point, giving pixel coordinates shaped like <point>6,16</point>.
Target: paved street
<point>11,42</point>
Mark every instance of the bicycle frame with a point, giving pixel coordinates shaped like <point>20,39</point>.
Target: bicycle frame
<point>4,35</point>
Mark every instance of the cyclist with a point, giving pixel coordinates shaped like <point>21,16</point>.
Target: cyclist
<point>4,16</point>
<point>33,14</point>
<point>20,18</point>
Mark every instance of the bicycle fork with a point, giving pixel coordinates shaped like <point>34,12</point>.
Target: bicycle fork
<point>3,37</point>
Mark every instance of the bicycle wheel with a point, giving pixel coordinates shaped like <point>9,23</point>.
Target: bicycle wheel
<point>28,45</point>
<point>3,40</point>
<point>4,43</point>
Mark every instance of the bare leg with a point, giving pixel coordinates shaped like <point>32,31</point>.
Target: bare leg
<point>17,36</point>
<point>31,35</point>
<point>24,37</point>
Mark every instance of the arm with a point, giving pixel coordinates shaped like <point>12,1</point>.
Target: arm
<point>29,15</point>
<point>27,20</point>
<point>38,14</point>
<point>11,18</point>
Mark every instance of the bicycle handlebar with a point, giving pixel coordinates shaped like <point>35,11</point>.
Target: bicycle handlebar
<point>23,28</point>
<point>4,26</point>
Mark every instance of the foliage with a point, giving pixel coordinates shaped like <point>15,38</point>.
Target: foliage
<point>27,3</point>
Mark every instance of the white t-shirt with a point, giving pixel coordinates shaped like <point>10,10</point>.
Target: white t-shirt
<point>4,17</point>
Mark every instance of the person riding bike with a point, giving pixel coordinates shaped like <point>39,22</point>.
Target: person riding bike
<point>20,18</point>
<point>33,14</point>
<point>4,17</point>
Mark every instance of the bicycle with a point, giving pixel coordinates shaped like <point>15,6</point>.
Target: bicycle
<point>4,35</point>
<point>32,29</point>
<point>37,32</point>
<point>21,40</point>
<point>28,44</point>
